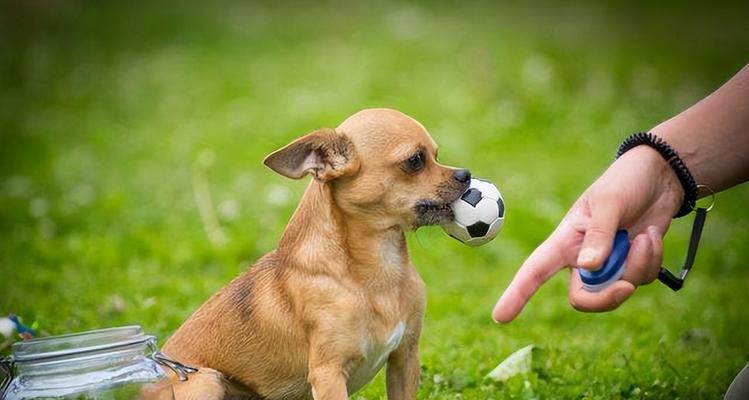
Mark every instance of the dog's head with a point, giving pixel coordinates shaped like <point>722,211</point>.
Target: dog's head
<point>381,165</point>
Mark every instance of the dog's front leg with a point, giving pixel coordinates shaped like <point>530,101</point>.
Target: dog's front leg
<point>403,371</point>
<point>328,383</point>
<point>326,375</point>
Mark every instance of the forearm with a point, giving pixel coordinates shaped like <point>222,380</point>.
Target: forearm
<point>712,136</point>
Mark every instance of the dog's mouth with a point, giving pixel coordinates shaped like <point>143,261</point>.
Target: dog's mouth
<point>429,212</point>
<point>437,212</point>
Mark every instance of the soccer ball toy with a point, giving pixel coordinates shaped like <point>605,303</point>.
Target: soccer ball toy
<point>479,214</point>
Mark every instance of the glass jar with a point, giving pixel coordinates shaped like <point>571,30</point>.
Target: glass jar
<point>115,363</point>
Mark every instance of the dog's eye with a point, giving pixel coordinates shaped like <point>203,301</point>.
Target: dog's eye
<point>416,163</point>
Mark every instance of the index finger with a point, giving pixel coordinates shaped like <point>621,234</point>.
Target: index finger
<point>541,265</point>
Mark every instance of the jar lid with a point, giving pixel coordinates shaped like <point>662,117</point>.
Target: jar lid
<point>78,343</point>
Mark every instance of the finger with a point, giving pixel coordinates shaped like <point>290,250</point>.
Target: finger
<point>656,238</point>
<point>537,269</point>
<point>639,260</point>
<point>606,300</point>
<point>599,235</point>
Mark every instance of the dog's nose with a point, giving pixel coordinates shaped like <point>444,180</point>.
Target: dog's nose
<point>462,175</point>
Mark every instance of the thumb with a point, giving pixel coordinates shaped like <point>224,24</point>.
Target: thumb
<point>599,235</point>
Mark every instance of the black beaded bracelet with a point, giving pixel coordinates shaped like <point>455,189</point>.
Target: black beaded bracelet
<point>673,159</point>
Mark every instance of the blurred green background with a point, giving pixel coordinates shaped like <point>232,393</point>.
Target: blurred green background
<point>113,116</point>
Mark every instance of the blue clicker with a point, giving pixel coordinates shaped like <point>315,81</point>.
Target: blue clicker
<point>612,269</point>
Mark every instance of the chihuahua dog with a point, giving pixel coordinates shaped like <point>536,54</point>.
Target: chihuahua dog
<point>339,298</point>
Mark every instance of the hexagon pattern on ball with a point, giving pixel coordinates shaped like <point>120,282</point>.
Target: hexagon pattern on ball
<point>479,214</point>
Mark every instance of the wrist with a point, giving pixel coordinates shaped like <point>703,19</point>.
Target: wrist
<point>667,186</point>
<point>688,151</point>
<point>671,157</point>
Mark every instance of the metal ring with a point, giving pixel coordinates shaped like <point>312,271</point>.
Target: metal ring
<point>712,195</point>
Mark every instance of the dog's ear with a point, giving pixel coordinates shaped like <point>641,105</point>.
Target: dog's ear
<point>324,153</point>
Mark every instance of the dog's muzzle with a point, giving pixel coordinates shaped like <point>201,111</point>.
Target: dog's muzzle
<point>432,213</point>
<point>436,212</point>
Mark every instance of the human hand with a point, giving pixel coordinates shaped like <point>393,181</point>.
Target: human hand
<point>640,193</point>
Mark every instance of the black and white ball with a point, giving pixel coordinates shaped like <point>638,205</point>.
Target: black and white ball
<point>479,214</point>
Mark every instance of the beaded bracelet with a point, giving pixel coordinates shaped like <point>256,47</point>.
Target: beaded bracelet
<point>672,158</point>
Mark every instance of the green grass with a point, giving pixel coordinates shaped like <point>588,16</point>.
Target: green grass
<point>105,110</point>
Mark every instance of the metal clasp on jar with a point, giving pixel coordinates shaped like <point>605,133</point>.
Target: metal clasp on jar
<point>180,369</point>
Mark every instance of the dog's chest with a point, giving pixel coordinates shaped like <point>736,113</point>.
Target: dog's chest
<point>375,352</point>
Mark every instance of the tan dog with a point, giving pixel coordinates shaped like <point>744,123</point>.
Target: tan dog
<point>319,316</point>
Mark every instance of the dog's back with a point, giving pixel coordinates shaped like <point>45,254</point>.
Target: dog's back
<point>200,340</point>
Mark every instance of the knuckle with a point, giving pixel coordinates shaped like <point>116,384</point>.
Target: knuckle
<point>657,254</point>
<point>538,276</point>
<point>597,231</point>
<point>577,305</point>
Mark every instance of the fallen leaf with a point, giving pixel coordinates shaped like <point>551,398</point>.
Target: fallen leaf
<point>517,363</point>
